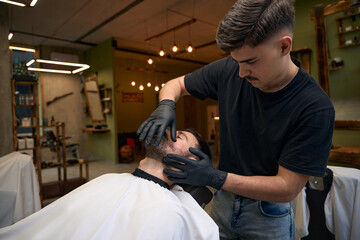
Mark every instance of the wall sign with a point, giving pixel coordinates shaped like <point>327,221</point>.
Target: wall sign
<point>132,97</point>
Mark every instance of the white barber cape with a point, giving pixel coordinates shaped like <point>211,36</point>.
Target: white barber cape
<point>341,207</point>
<point>118,206</point>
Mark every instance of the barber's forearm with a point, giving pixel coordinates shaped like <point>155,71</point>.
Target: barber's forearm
<point>267,188</point>
<point>173,89</point>
<point>257,187</point>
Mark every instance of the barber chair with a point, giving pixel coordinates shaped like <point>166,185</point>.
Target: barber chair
<point>202,195</point>
<point>316,192</point>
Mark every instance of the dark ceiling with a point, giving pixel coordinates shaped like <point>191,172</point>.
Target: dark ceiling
<point>81,24</point>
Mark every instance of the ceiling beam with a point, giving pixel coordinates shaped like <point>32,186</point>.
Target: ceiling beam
<point>198,47</point>
<point>155,54</point>
<point>113,17</point>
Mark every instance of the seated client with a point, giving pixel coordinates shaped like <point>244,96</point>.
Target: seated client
<point>141,205</point>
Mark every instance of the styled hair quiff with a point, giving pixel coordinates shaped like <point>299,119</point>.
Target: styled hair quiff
<point>251,22</point>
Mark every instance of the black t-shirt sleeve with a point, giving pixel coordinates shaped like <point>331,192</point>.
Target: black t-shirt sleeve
<point>203,83</point>
<point>308,145</point>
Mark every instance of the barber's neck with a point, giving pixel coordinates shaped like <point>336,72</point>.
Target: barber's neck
<point>155,168</point>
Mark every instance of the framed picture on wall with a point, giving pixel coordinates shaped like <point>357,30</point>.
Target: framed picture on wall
<point>132,97</point>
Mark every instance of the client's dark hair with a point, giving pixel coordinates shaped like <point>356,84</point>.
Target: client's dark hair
<point>202,144</point>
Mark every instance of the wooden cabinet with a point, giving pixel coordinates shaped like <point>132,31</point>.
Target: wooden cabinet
<point>25,116</point>
<point>54,139</point>
<point>25,111</point>
<point>27,138</point>
<point>349,29</point>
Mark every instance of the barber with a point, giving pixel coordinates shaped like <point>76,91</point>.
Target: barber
<point>276,123</point>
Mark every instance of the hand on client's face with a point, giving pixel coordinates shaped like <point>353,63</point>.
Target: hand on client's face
<point>196,173</point>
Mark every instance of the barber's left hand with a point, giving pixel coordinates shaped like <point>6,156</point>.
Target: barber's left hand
<point>194,172</point>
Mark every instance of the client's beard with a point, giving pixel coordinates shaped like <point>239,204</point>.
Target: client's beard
<point>157,152</point>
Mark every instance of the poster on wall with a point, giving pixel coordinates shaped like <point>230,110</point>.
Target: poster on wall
<point>132,97</point>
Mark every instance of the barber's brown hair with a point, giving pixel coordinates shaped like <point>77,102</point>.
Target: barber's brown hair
<point>251,22</point>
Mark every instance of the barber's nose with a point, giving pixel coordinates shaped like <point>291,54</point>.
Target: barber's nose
<point>243,71</point>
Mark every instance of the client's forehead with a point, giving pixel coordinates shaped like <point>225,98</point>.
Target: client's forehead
<point>189,138</point>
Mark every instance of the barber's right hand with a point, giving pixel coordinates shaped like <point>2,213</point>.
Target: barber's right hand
<point>162,117</point>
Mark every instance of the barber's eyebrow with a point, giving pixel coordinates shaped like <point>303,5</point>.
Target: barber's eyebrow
<point>246,60</point>
<point>183,134</point>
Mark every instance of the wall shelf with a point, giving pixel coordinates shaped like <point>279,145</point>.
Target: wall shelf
<point>349,45</point>
<point>335,68</point>
<point>106,99</point>
<point>354,17</point>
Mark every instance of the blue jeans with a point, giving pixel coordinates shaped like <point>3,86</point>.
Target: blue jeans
<point>244,218</point>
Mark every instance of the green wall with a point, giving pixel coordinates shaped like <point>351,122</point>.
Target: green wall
<point>304,35</point>
<point>101,61</point>
<point>344,83</point>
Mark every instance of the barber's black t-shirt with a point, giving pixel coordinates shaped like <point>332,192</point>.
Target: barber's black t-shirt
<point>292,127</point>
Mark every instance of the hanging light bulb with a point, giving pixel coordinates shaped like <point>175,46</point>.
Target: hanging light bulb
<point>150,61</point>
<point>162,85</point>
<point>141,87</point>
<point>175,48</point>
<point>10,36</point>
<point>157,88</point>
<point>189,48</point>
<point>161,53</point>
<point>133,83</point>
<point>148,84</point>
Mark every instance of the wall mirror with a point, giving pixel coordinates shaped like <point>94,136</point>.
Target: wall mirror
<point>93,99</point>
<point>333,28</point>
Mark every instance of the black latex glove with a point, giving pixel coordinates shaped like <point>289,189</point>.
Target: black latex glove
<point>162,117</point>
<point>196,173</point>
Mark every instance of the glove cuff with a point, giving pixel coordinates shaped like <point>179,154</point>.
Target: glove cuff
<point>167,102</point>
<point>219,179</point>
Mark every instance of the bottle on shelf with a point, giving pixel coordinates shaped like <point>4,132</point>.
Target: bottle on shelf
<point>53,122</point>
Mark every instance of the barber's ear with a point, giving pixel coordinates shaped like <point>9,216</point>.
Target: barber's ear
<point>285,45</point>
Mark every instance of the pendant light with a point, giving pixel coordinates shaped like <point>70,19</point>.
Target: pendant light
<point>133,83</point>
<point>141,87</point>
<point>189,48</point>
<point>157,88</point>
<point>174,47</point>
<point>161,52</point>
<point>150,61</point>
<point>148,84</point>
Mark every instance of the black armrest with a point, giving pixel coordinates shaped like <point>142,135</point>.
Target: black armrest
<point>202,195</point>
